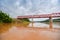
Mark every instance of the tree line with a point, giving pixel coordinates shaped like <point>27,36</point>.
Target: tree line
<point>5,18</point>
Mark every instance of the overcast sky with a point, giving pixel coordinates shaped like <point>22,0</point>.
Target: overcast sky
<point>29,7</point>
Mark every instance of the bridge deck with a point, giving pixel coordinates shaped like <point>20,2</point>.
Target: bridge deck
<point>41,16</point>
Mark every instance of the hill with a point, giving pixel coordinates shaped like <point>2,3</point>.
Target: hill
<point>54,20</point>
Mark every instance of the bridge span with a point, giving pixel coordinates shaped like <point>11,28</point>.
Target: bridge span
<point>50,16</point>
<point>53,15</point>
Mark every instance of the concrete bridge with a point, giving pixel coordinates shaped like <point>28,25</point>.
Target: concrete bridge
<point>50,16</point>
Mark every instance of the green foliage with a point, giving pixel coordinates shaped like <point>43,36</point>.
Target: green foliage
<point>54,20</point>
<point>57,20</point>
<point>4,18</point>
<point>24,19</point>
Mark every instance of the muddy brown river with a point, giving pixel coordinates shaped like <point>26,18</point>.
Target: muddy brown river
<point>37,31</point>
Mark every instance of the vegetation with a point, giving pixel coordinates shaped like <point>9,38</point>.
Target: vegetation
<point>4,18</point>
<point>57,20</point>
<point>54,20</point>
<point>24,19</point>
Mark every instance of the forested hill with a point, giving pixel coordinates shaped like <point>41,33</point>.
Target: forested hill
<point>54,20</point>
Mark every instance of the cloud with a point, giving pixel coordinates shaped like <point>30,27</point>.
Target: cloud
<point>29,7</point>
<point>54,1</point>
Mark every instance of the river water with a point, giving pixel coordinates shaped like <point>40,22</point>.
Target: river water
<point>45,25</point>
<point>37,31</point>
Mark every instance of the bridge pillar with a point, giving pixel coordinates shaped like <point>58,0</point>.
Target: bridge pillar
<point>50,22</point>
<point>32,22</point>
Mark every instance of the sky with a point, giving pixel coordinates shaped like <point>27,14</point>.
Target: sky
<point>29,7</point>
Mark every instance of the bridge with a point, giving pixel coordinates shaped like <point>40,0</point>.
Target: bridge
<point>50,16</point>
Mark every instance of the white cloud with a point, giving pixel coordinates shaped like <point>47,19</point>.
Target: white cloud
<point>31,7</point>
<point>17,3</point>
<point>54,1</point>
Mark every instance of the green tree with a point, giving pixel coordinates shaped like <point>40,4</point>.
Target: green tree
<point>5,18</point>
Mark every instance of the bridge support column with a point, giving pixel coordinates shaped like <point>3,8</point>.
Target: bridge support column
<point>32,22</point>
<point>50,22</point>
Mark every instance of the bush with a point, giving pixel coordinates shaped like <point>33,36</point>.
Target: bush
<point>4,18</point>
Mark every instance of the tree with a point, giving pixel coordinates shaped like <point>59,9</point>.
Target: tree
<point>5,18</point>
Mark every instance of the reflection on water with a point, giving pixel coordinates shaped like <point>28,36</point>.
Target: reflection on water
<point>19,31</point>
<point>45,25</point>
<point>56,25</point>
<point>6,27</point>
<point>42,25</point>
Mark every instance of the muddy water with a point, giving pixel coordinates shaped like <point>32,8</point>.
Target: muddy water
<point>45,25</point>
<point>19,31</point>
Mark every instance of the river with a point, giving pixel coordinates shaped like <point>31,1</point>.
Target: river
<point>37,31</point>
<point>45,25</point>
